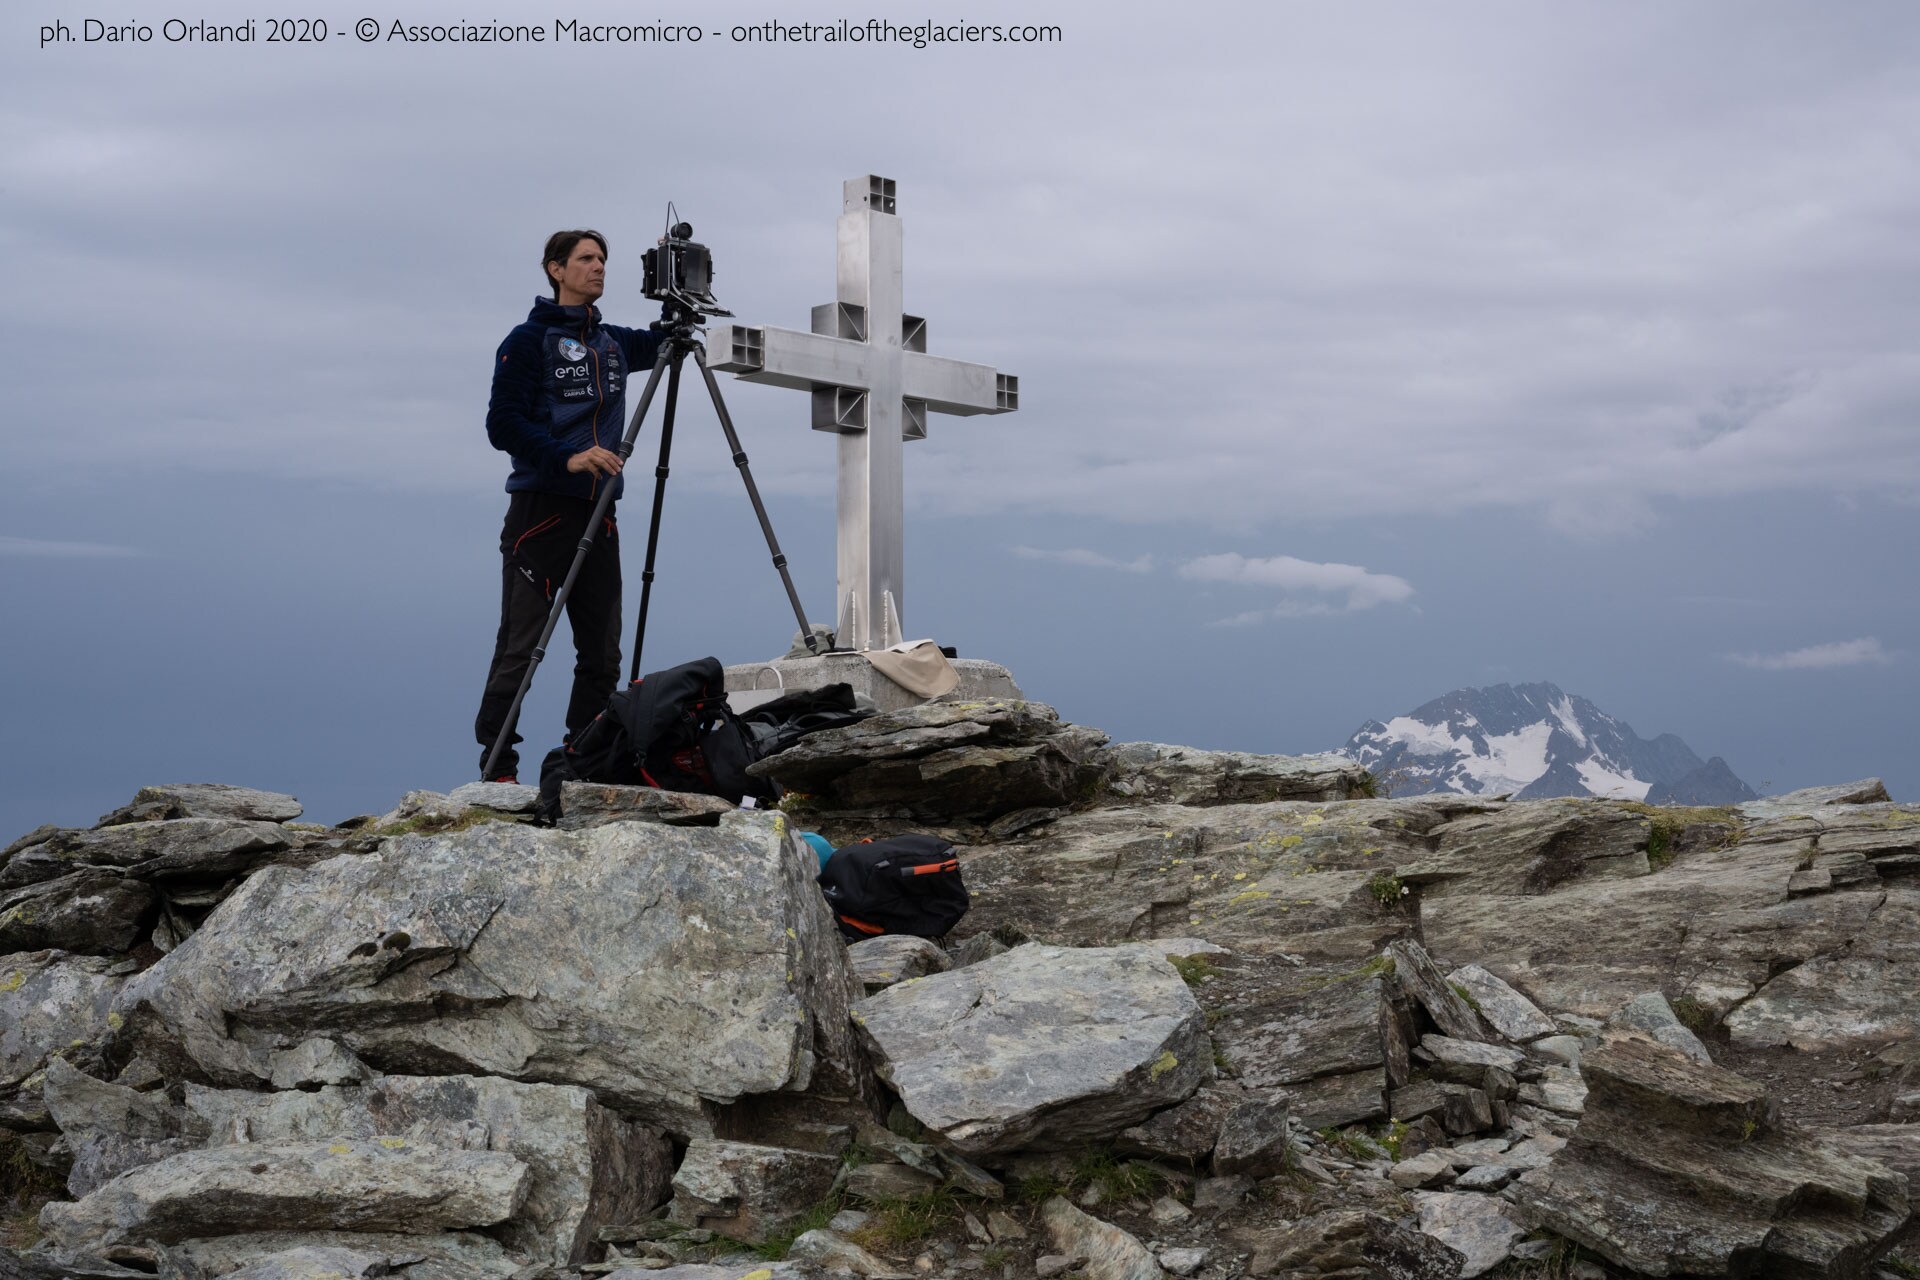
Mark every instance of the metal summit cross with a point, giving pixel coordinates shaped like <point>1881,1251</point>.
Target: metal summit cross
<point>873,384</point>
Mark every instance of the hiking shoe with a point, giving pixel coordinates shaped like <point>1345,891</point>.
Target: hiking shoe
<point>509,778</point>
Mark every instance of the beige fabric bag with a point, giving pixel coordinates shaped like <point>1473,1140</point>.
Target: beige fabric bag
<point>917,666</point>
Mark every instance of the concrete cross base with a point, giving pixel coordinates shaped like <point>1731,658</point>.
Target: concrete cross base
<point>751,683</point>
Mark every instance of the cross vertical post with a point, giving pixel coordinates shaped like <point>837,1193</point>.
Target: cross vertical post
<point>872,382</point>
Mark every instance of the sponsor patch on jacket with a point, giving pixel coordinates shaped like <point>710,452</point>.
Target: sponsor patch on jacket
<point>570,349</point>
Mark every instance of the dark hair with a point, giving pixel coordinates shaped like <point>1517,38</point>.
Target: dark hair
<point>560,247</point>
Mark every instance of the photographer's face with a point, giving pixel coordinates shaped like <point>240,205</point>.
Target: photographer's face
<point>584,277</point>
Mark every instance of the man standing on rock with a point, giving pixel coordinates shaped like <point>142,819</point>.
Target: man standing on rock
<point>559,393</point>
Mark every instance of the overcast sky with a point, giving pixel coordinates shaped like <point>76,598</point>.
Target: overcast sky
<point>1366,351</point>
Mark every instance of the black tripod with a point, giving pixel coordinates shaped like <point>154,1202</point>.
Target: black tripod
<point>680,337</point>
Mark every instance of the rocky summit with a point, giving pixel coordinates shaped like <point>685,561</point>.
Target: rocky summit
<point>1211,1014</point>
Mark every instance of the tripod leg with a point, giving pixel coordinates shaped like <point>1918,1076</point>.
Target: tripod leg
<point>659,501</point>
<point>753,494</point>
<point>579,558</point>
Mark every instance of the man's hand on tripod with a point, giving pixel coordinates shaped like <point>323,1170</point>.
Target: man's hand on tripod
<point>600,461</point>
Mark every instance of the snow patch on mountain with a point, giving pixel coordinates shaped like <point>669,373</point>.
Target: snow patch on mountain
<point>1532,741</point>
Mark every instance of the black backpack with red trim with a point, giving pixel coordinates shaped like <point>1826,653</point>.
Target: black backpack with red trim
<point>904,884</point>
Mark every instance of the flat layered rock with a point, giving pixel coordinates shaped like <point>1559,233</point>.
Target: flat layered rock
<point>388,1185</point>
<point>1260,879</point>
<point>1111,1253</point>
<point>110,1128</point>
<point>670,970</point>
<point>199,847</point>
<point>1504,1009</point>
<point>1733,1190</point>
<point>588,1167</point>
<point>748,1192</point>
<point>595,804</point>
<point>1155,773</point>
<point>944,761</point>
<point>51,1001</point>
<point>895,957</point>
<point>450,1255</point>
<point>1041,1048</point>
<point>93,912</point>
<point>1862,998</point>
<point>204,800</point>
<point>1482,1228</point>
<point>1348,1243</point>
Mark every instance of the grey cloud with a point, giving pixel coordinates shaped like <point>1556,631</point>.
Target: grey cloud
<point>1083,558</point>
<point>1866,651</point>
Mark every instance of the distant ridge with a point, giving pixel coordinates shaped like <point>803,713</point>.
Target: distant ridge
<point>1534,741</point>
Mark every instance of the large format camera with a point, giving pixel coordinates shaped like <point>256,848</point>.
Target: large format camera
<point>680,272</point>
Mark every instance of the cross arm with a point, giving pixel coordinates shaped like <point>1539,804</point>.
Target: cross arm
<point>787,357</point>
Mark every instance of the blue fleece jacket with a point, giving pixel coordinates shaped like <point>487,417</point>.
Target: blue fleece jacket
<point>559,386</point>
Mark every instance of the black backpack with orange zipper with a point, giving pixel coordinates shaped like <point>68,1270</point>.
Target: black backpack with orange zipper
<point>903,884</point>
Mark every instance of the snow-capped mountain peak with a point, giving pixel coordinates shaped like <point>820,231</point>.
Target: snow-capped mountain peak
<point>1531,741</point>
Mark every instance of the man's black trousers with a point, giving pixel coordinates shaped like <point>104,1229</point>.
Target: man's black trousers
<point>537,545</point>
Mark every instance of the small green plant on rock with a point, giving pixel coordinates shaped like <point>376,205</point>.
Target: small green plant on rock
<point>1388,889</point>
<point>1460,990</point>
<point>1194,970</point>
<point>775,1247</point>
<point>907,1221</point>
<point>1117,1179</point>
<point>1693,1015</point>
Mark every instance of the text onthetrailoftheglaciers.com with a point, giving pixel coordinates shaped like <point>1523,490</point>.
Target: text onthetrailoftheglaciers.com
<point>310,31</point>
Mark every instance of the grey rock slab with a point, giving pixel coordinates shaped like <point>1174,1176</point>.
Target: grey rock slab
<point>1650,1013</point>
<point>595,804</point>
<point>1559,1089</point>
<point>830,1252</point>
<point>313,1062</point>
<point>315,1262</point>
<point>1564,1050</point>
<point>37,1265</point>
<point>1156,773</point>
<point>110,1128</point>
<point>1317,1025</point>
<point>589,1168</point>
<point>1184,1132</point>
<point>1043,1047</point>
<point>1416,974</point>
<point>1505,1010</point>
<point>94,912</point>
<point>1531,848</point>
<point>671,970</point>
<point>1738,1191</point>
<point>895,957</point>
<point>388,1185</point>
<point>1865,791</point>
<point>1720,914</point>
<point>1221,1194</point>
<point>943,761</point>
<point>451,1255</point>
<point>884,1180</point>
<point>1111,1253</point>
<point>502,797</point>
<point>1183,1261</point>
<point>1467,1060</point>
<point>1481,1228</point>
<point>1339,1100</point>
<point>1348,1242</point>
<point>1485,1178</point>
<point>53,1002</point>
<point>1857,1000</point>
<point>748,1192</point>
<point>204,800</point>
<point>202,847</point>
<point>1897,1146</point>
<point>1425,1170</point>
<point>1282,878</point>
<point>1253,1138</point>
